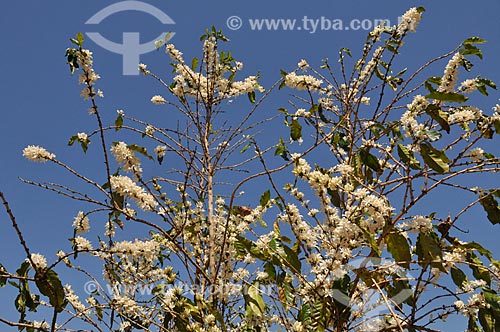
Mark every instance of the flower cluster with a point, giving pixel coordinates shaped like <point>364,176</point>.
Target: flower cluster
<point>81,223</point>
<point>213,86</point>
<point>409,21</point>
<point>158,100</point>
<point>73,299</point>
<point>303,82</point>
<point>449,79</point>
<point>124,186</point>
<point>37,153</point>
<point>88,75</point>
<point>126,156</point>
<point>418,224</point>
<point>39,261</point>
<point>476,154</point>
<point>469,85</point>
<point>464,115</point>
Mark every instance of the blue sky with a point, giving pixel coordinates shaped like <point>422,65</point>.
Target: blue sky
<point>40,101</point>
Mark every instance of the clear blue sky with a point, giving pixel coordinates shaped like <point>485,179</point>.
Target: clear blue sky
<point>40,101</point>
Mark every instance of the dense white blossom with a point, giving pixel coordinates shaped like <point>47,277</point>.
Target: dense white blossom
<point>82,244</point>
<point>469,85</point>
<point>160,151</point>
<point>158,100</point>
<point>81,223</point>
<point>124,186</point>
<point>73,299</point>
<point>409,21</point>
<point>39,261</point>
<point>476,154</point>
<point>126,156</point>
<point>449,79</point>
<point>37,153</point>
<point>302,82</point>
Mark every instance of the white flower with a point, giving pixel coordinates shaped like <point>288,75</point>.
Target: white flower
<point>464,115</point>
<point>126,156</point>
<point>39,261</point>
<point>459,304</point>
<point>418,104</point>
<point>302,82</point>
<point>41,325</point>
<point>303,64</point>
<point>82,136</point>
<point>82,244</point>
<point>124,186</point>
<point>476,154</point>
<point>469,85</point>
<point>418,224</point>
<point>238,65</point>
<point>124,326</point>
<point>149,130</point>
<point>81,223</point>
<point>143,69</point>
<point>160,151</point>
<point>158,100</point>
<point>409,21</point>
<point>449,79</point>
<point>73,299</point>
<point>37,153</point>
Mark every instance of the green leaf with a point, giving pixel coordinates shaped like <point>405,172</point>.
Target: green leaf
<point>246,147</point>
<point>264,199</point>
<point>407,157</point>
<point>437,114</point>
<point>369,160</point>
<point>335,197</point>
<point>346,51</point>
<point>458,276</point>
<point>270,270</point>
<point>429,251</point>
<point>399,248</point>
<point>482,83</point>
<point>420,10</point>
<point>433,135</point>
<point>140,149</point>
<point>194,63</point>
<point>372,241</point>
<point>72,140</point>
<point>295,130</point>
<point>471,50</point>
<point>493,300</point>
<point>473,40</point>
<point>490,205</point>
<point>254,303</point>
<point>282,150</point>
<point>48,284</point>
<point>80,38</point>
<point>305,313</point>
<point>472,326</point>
<point>434,158</point>
<point>292,259</point>
<point>447,96</point>
<point>477,267</point>
<point>118,122</point>
<point>251,97</point>
<point>3,280</point>
<point>488,322</point>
